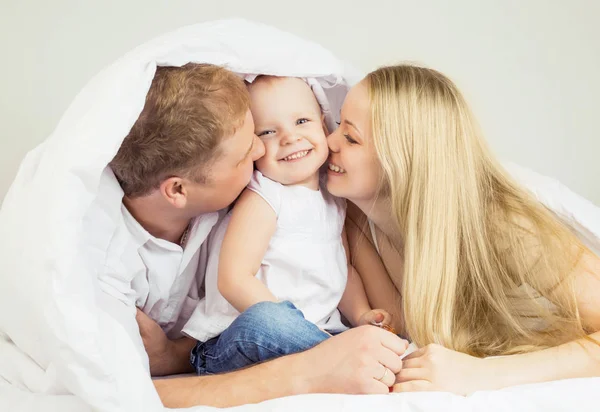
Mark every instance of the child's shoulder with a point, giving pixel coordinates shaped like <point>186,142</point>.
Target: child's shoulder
<point>266,188</point>
<point>260,182</point>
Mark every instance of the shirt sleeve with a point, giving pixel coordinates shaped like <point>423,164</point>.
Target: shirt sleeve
<point>268,189</point>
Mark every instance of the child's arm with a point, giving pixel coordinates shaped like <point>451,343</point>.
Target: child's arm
<point>247,238</point>
<point>354,303</point>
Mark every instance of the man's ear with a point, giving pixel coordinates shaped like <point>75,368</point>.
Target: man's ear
<point>174,191</point>
<point>324,125</point>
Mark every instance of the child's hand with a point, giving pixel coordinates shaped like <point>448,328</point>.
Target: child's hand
<point>377,317</point>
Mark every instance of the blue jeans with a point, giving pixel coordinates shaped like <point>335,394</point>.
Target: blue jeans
<point>264,331</point>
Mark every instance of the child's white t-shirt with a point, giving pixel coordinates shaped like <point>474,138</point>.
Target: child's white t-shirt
<point>305,262</point>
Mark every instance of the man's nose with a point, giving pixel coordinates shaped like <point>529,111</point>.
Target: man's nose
<point>259,149</point>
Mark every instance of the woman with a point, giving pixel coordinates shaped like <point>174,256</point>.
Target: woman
<point>469,264</point>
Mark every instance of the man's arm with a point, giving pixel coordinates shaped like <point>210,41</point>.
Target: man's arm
<point>347,363</point>
<point>265,381</point>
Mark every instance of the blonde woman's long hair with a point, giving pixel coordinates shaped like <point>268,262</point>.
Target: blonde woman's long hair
<point>487,269</point>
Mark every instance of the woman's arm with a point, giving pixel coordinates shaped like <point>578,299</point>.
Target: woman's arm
<point>576,359</point>
<point>246,241</point>
<point>354,303</point>
<point>380,290</point>
<point>437,368</point>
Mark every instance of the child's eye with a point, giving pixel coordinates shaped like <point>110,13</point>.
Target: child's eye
<point>302,121</point>
<point>266,132</point>
<point>350,139</point>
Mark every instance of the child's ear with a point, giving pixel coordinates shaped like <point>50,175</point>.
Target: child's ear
<point>324,125</point>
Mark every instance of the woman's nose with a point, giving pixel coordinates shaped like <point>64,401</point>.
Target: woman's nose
<point>332,142</point>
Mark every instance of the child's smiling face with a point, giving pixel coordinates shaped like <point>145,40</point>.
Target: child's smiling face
<point>288,119</point>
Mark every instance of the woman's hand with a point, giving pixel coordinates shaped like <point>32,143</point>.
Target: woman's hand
<point>436,368</point>
<point>377,317</point>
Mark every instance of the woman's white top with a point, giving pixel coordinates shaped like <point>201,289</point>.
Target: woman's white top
<point>374,235</point>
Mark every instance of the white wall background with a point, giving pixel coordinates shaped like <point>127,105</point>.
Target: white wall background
<point>528,67</point>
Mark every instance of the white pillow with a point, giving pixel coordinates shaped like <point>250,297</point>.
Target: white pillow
<point>581,215</point>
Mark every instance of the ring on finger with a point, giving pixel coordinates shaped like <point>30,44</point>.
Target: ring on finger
<point>385,371</point>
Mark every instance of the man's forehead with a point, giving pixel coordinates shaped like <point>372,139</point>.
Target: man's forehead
<point>240,139</point>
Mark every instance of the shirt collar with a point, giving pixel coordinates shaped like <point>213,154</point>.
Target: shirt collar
<point>142,236</point>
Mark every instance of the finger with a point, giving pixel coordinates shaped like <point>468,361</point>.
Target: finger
<point>370,317</point>
<point>415,363</point>
<point>413,374</point>
<point>417,354</point>
<point>389,359</point>
<point>393,342</point>
<point>384,375</point>
<point>413,386</point>
<point>387,318</point>
<point>142,319</point>
<point>146,325</point>
<point>374,387</point>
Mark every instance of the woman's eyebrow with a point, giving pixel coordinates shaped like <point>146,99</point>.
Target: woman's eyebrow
<point>353,125</point>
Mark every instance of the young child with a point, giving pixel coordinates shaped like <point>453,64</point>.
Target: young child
<point>278,258</point>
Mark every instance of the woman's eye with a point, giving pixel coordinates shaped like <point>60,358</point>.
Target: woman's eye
<point>302,121</point>
<point>350,139</point>
<point>266,132</point>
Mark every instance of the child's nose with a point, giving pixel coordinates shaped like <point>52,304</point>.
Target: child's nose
<point>288,136</point>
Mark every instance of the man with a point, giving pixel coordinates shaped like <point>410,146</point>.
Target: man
<point>189,155</point>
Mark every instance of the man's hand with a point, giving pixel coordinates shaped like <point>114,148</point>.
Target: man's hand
<point>166,356</point>
<point>362,360</point>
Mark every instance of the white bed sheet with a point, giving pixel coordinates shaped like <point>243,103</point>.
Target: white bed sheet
<point>568,395</point>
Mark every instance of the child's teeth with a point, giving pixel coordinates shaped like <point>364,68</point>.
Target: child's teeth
<point>297,155</point>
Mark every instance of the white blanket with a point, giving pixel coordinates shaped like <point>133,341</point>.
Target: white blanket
<point>58,350</point>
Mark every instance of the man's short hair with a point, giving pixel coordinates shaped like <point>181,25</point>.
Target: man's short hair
<point>188,111</point>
